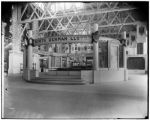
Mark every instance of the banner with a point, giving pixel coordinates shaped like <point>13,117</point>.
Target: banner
<point>63,39</point>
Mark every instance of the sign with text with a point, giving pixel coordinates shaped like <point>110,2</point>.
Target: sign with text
<point>63,39</point>
<point>40,52</point>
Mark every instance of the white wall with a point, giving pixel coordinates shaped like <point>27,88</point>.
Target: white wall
<point>109,75</point>
<point>87,75</point>
<point>132,51</point>
<point>15,59</point>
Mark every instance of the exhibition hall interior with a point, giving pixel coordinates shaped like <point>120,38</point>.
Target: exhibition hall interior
<point>74,60</point>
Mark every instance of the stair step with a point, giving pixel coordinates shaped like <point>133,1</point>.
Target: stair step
<point>57,78</point>
<point>63,80</point>
<point>69,76</point>
<point>61,74</point>
<point>59,82</point>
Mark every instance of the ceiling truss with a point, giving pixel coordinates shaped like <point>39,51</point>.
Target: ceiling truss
<point>112,18</point>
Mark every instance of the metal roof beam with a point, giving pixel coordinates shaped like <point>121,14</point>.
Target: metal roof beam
<point>82,13</point>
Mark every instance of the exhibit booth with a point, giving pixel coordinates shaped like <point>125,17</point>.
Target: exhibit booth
<point>104,62</point>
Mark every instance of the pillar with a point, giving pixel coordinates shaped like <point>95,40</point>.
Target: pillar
<point>3,30</point>
<point>15,55</point>
<point>49,62</point>
<point>124,51</point>
<point>24,58</point>
<point>30,51</point>
<point>16,27</point>
<point>61,65</point>
<point>95,57</point>
<point>35,35</point>
<point>67,62</point>
<point>125,58</point>
<point>28,73</point>
<point>146,51</point>
<point>4,82</point>
<point>30,59</point>
<point>95,50</point>
<point>35,32</point>
<point>3,36</point>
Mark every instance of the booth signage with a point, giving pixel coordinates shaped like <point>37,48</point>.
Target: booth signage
<point>63,39</point>
<point>40,52</point>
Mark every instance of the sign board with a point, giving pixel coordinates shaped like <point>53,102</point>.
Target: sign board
<point>40,52</point>
<point>48,53</point>
<point>63,39</point>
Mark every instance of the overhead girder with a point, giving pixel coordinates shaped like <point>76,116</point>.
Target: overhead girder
<point>31,13</point>
<point>110,16</point>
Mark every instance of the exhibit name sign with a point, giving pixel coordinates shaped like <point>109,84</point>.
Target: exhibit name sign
<point>63,39</point>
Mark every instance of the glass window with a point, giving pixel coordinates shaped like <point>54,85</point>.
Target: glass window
<point>103,59</point>
<point>139,48</point>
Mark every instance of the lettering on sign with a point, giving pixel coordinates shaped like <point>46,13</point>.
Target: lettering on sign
<point>63,39</point>
<point>40,52</point>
